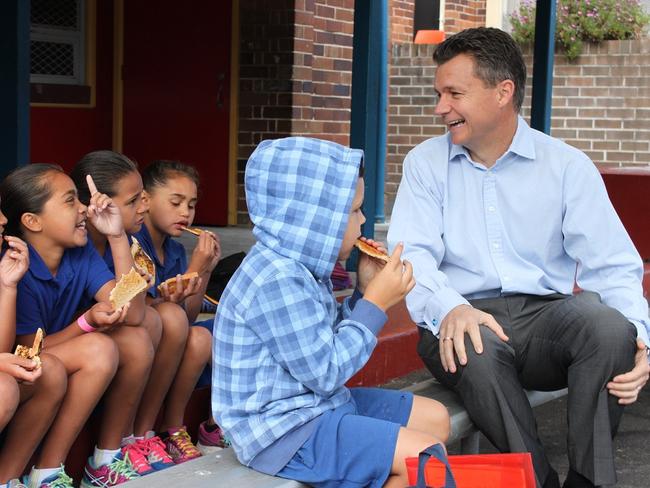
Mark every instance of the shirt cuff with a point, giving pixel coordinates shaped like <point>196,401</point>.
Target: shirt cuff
<point>443,301</point>
<point>370,315</point>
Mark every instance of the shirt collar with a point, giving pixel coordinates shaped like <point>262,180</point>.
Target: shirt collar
<point>523,143</point>
<point>40,270</point>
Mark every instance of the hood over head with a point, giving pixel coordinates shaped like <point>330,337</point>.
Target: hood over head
<point>299,192</point>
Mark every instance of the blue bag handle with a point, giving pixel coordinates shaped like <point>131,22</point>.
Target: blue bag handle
<point>437,452</point>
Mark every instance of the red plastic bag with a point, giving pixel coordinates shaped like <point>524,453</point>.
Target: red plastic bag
<point>475,471</point>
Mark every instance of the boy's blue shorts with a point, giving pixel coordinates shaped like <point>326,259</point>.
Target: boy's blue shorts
<point>353,445</point>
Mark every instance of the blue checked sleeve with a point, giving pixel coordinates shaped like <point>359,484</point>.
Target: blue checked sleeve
<point>304,339</point>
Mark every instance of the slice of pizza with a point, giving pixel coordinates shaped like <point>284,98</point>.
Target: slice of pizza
<point>192,230</point>
<point>371,251</point>
<point>127,288</point>
<point>33,352</point>
<point>171,282</point>
<point>141,259</point>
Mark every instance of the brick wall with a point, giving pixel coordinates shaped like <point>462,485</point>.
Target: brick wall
<point>463,14</point>
<point>295,74</point>
<point>601,104</point>
<point>400,18</point>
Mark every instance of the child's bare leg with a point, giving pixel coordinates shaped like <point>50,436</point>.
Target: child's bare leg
<point>124,393</point>
<point>9,398</point>
<point>90,361</point>
<point>168,357</point>
<point>40,403</point>
<point>409,444</point>
<point>198,351</point>
<point>431,417</point>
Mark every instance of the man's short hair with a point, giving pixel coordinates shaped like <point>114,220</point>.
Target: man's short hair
<point>497,57</point>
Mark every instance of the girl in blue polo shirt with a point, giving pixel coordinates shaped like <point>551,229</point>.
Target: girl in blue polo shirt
<point>29,395</point>
<point>117,176</point>
<point>100,345</point>
<point>171,194</point>
<point>284,348</point>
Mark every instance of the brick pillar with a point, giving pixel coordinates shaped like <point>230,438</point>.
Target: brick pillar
<point>463,14</point>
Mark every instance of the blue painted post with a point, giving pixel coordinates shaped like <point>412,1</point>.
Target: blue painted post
<point>367,95</point>
<point>382,126</point>
<point>543,58</point>
<point>14,85</point>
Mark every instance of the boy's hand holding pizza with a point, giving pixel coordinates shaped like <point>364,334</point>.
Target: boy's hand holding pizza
<point>206,254</point>
<point>180,287</point>
<point>392,283</point>
<point>24,370</point>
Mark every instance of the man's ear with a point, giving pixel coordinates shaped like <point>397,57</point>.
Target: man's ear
<point>31,222</point>
<point>505,92</point>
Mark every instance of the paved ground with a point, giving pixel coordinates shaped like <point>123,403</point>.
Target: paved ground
<point>632,443</point>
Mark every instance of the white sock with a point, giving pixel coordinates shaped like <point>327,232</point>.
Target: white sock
<point>104,456</point>
<point>37,476</point>
<point>129,439</point>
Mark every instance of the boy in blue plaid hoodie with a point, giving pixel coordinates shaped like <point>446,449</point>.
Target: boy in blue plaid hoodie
<point>283,348</point>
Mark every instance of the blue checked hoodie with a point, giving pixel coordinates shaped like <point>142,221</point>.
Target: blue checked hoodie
<point>283,349</point>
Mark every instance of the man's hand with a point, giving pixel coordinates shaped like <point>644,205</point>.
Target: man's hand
<point>628,386</point>
<point>459,321</point>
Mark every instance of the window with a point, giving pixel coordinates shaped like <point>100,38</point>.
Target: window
<point>58,51</point>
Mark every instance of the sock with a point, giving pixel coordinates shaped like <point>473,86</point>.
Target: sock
<point>36,476</point>
<point>148,435</point>
<point>129,439</point>
<point>104,456</point>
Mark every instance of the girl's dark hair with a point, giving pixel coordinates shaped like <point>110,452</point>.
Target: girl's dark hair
<point>106,167</point>
<point>25,190</point>
<point>158,172</point>
<point>497,57</point>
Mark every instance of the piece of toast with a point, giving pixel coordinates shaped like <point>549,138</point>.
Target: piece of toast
<point>33,352</point>
<point>129,285</point>
<point>141,259</point>
<point>171,282</point>
<point>192,230</point>
<point>371,251</point>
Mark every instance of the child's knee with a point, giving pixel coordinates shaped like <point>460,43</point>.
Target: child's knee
<point>152,323</point>
<point>174,321</point>
<point>199,343</point>
<point>135,347</point>
<point>54,379</point>
<point>9,398</point>
<point>100,354</point>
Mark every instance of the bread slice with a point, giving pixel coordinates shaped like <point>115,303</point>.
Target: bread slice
<point>371,251</point>
<point>171,282</point>
<point>141,259</point>
<point>127,288</point>
<point>33,352</point>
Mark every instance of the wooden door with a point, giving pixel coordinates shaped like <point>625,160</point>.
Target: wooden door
<point>176,76</point>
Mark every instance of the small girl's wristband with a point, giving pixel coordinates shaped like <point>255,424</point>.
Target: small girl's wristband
<point>84,325</point>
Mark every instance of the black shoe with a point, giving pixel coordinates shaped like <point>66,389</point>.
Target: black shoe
<point>575,480</point>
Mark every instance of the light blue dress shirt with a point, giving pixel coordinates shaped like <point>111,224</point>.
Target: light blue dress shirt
<point>534,222</point>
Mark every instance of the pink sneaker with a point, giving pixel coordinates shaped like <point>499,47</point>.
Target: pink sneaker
<point>211,441</point>
<point>157,456</point>
<point>119,471</point>
<point>138,458</point>
<point>179,446</point>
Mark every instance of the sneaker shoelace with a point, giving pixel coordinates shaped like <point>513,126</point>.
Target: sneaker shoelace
<point>137,456</point>
<point>156,450</point>
<point>184,442</point>
<point>121,467</point>
<point>62,480</point>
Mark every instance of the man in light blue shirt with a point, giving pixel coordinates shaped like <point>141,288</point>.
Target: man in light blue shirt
<point>499,221</point>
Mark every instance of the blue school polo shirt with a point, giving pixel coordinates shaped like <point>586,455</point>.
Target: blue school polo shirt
<point>50,301</point>
<point>175,257</point>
